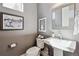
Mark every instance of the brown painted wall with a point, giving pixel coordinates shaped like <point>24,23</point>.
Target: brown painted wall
<point>23,42</point>
<point>24,38</point>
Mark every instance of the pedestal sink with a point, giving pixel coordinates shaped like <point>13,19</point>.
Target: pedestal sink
<point>66,45</point>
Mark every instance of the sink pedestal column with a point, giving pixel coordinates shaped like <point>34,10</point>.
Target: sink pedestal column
<point>58,52</point>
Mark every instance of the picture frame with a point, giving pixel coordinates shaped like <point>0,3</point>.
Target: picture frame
<point>11,22</point>
<point>42,24</point>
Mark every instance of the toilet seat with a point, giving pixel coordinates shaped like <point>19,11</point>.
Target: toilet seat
<point>33,51</point>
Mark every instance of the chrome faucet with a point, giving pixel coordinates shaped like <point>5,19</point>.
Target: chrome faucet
<point>60,35</point>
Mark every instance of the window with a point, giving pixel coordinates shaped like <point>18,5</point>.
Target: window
<point>14,6</point>
<point>42,24</point>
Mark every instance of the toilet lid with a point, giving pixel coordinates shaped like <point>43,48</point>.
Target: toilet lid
<point>33,51</point>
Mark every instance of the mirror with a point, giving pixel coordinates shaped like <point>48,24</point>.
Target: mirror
<point>67,16</point>
<point>56,19</point>
<point>63,17</point>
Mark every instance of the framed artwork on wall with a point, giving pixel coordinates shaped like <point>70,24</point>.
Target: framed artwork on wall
<point>42,25</point>
<point>11,22</point>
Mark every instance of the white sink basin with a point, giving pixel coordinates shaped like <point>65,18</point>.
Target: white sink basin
<point>65,45</point>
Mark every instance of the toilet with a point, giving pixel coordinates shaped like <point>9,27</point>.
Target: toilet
<point>35,51</point>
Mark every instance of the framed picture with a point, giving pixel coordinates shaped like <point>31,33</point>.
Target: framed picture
<point>11,22</point>
<point>42,25</point>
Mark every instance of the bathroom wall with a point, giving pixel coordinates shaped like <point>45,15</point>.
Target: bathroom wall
<point>24,38</point>
<point>44,10</point>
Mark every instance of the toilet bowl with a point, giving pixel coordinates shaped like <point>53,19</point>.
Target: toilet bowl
<point>35,51</point>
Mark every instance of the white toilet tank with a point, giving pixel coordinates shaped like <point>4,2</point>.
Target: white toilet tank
<point>40,43</point>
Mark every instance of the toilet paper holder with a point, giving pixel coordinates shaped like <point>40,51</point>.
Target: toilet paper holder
<point>12,45</point>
